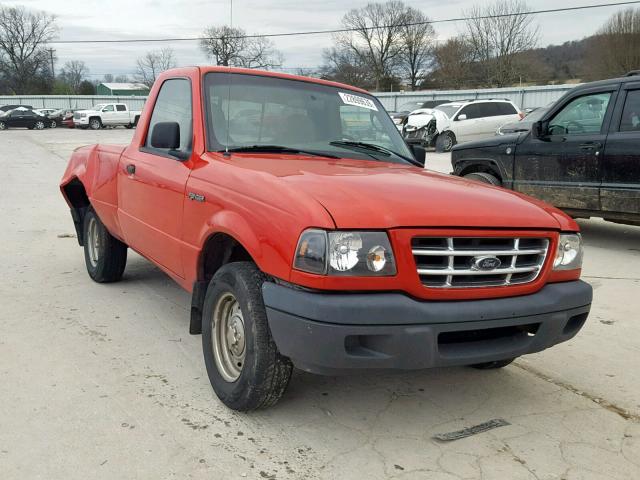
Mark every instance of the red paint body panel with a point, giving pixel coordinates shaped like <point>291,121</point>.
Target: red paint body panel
<point>265,201</point>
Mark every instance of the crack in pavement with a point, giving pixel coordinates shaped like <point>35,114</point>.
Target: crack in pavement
<point>625,414</point>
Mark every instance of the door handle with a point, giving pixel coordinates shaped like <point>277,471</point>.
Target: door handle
<point>131,169</point>
<point>591,146</point>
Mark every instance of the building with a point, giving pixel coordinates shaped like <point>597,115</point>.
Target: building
<point>123,89</point>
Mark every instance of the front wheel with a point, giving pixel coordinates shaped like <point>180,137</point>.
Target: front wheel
<point>445,142</point>
<point>39,125</point>
<point>244,366</point>
<point>104,255</point>
<point>484,177</point>
<point>95,124</point>
<point>493,365</point>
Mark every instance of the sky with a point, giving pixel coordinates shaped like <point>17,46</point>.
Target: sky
<point>124,19</point>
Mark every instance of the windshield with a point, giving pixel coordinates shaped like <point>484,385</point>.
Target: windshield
<point>251,110</point>
<point>535,115</point>
<point>448,110</point>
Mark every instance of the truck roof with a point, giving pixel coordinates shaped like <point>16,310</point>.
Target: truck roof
<point>265,73</point>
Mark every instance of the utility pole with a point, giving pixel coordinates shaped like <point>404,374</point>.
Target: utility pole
<point>53,70</point>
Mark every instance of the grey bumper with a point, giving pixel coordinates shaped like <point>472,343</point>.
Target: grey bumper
<point>329,333</point>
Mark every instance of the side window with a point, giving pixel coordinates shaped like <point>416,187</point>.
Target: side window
<point>631,114</point>
<point>505,108</point>
<point>488,109</point>
<point>108,108</point>
<point>469,111</point>
<point>174,105</point>
<point>121,108</point>
<point>581,115</point>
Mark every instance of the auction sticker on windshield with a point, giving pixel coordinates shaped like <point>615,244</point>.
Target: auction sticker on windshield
<point>357,101</point>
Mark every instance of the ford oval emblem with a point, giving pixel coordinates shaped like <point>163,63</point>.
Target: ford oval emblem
<point>486,263</point>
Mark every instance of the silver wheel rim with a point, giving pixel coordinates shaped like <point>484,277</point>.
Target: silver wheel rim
<point>54,125</point>
<point>229,345</point>
<point>93,242</point>
<point>448,142</point>
<point>2,126</point>
<point>39,125</point>
<point>95,124</point>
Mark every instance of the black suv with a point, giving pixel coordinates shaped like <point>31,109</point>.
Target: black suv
<point>582,156</point>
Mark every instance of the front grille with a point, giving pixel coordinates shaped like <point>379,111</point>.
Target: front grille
<point>457,262</point>
<point>76,115</point>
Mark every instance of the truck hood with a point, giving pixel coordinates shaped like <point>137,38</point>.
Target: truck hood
<point>380,195</point>
<point>495,141</point>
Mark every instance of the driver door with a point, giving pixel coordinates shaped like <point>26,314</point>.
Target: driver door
<point>108,115</point>
<point>563,166</point>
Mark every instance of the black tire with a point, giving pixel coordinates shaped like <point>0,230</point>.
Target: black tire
<point>129,126</point>
<point>105,260</point>
<point>493,365</point>
<point>3,126</point>
<point>95,124</point>
<point>445,142</point>
<point>484,177</point>
<point>39,125</point>
<point>264,373</point>
<point>53,124</point>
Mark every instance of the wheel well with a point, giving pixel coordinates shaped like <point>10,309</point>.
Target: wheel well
<point>77,196</point>
<point>478,167</point>
<point>218,250</point>
<point>95,117</point>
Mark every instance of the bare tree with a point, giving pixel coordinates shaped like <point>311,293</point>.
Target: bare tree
<point>108,78</point>
<point>375,36</point>
<point>122,79</point>
<point>73,73</point>
<point>496,33</point>
<point>153,64</point>
<point>229,46</point>
<point>452,64</point>
<point>344,65</point>
<point>615,49</point>
<point>418,42</point>
<point>23,38</point>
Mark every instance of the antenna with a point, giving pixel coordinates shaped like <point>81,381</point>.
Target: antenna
<point>226,152</point>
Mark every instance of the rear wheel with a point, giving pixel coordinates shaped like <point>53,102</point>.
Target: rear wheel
<point>493,365</point>
<point>244,366</point>
<point>484,177</point>
<point>104,255</point>
<point>95,124</point>
<point>3,126</point>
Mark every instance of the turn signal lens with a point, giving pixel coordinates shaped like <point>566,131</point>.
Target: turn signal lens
<point>376,259</point>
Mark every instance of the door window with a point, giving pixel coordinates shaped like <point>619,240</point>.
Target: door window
<point>108,108</point>
<point>631,114</point>
<point>471,111</point>
<point>121,108</point>
<point>174,105</point>
<point>581,115</point>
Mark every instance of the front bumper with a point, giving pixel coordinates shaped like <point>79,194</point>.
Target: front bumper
<point>330,333</point>
<point>81,121</point>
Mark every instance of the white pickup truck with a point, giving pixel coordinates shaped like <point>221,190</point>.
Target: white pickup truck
<point>106,115</point>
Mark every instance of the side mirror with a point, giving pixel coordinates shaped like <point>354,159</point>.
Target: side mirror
<point>419,153</point>
<point>166,135</point>
<point>462,116</point>
<point>537,129</point>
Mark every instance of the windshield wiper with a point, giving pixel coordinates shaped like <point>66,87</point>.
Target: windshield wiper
<point>372,146</point>
<point>277,149</point>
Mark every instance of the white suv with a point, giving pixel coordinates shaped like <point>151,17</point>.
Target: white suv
<point>458,122</point>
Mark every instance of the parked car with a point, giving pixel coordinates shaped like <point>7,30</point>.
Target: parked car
<point>462,122</point>
<point>399,117</point>
<point>106,115</point>
<point>23,119</point>
<point>61,118</point>
<point>45,112</point>
<point>305,240</point>
<point>525,124</point>
<point>6,108</point>
<point>582,156</point>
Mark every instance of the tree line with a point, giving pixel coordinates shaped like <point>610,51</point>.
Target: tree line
<point>383,46</point>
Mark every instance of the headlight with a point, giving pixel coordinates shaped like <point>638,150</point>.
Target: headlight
<point>569,253</point>
<point>345,253</point>
<point>82,115</point>
<point>397,120</point>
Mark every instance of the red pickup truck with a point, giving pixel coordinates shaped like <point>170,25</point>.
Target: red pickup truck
<point>310,235</point>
